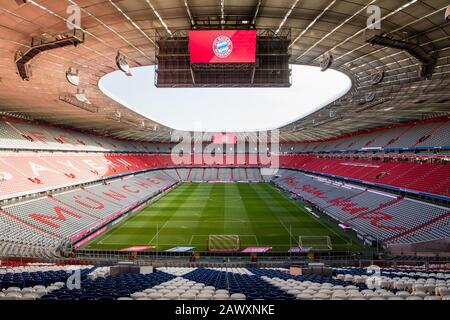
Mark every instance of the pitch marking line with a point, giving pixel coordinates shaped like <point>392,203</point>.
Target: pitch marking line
<point>240,236</point>
<point>256,238</point>
<point>291,236</point>
<point>160,244</point>
<point>105,238</point>
<point>221,219</point>
<point>346,241</point>
<point>159,231</point>
<point>170,244</point>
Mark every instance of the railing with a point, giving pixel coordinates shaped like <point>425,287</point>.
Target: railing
<point>109,259</point>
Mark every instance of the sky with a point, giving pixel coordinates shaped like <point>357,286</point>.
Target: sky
<point>226,109</point>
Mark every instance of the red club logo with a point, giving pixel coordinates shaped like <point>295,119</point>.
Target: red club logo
<point>222,47</point>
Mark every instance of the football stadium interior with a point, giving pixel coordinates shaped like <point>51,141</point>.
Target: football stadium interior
<point>349,202</point>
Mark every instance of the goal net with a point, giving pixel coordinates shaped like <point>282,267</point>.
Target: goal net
<point>315,243</point>
<point>223,243</point>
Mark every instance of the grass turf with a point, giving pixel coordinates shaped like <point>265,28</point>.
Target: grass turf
<point>260,214</point>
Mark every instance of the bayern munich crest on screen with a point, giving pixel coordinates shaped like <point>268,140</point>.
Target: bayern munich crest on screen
<point>222,47</point>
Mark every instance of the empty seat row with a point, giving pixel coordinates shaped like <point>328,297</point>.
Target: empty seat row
<point>430,178</point>
<point>430,134</point>
<point>383,216</point>
<point>47,223</point>
<point>21,134</point>
<point>181,283</point>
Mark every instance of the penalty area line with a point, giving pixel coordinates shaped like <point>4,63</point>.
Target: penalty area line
<point>159,231</point>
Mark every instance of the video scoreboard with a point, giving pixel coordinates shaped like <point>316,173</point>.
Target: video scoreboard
<point>223,58</point>
<point>222,46</point>
<point>225,138</point>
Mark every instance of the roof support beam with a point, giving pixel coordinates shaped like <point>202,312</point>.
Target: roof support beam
<point>258,6</point>
<point>222,12</point>
<point>336,28</point>
<point>84,30</point>
<point>399,9</point>
<point>188,10</point>
<point>112,30</point>
<point>312,23</point>
<point>150,4</point>
<point>396,30</point>
<point>132,23</point>
<point>287,16</point>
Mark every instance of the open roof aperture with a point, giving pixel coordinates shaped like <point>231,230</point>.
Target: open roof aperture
<point>226,109</point>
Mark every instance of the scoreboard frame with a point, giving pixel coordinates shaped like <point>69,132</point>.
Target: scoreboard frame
<point>271,68</point>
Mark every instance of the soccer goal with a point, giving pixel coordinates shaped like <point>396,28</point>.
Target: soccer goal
<point>223,243</point>
<point>315,243</point>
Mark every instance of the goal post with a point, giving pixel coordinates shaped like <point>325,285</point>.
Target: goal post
<point>223,243</point>
<point>315,243</point>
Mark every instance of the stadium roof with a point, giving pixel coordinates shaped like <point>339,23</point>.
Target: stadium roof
<point>318,27</point>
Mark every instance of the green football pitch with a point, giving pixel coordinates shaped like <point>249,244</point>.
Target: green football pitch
<point>260,214</point>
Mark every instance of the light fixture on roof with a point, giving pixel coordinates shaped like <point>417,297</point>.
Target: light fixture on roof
<point>377,77</point>
<point>73,76</point>
<point>122,64</point>
<point>370,97</point>
<point>326,62</point>
<point>81,96</point>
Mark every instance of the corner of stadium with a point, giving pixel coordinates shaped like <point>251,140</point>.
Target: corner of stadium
<point>224,150</point>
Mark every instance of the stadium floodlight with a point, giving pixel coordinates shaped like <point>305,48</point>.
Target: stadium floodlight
<point>73,101</point>
<point>377,77</point>
<point>326,62</point>
<point>73,77</point>
<point>81,96</point>
<point>122,64</point>
<point>370,97</point>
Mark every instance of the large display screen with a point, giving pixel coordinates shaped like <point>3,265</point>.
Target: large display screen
<point>223,46</point>
<point>224,138</point>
